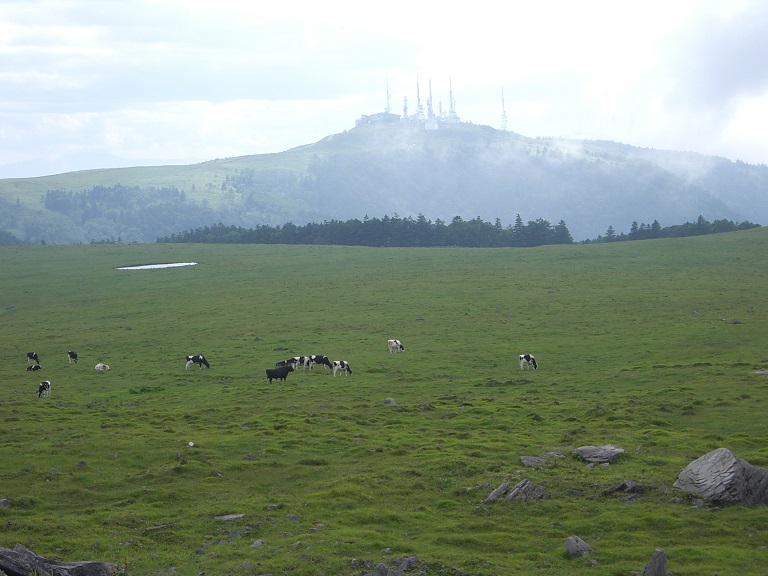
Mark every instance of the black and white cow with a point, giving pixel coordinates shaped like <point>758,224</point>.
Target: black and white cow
<point>198,359</point>
<point>280,373</point>
<point>72,356</point>
<point>295,362</point>
<point>32,357</point>
<point>101,367</point>
<point>528,361</point>
<point>44,389</point>
<point>320,359</point>
<point>341,366</point>
<point>34,368</point>
<point>395,346</point>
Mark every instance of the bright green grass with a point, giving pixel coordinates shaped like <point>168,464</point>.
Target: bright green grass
<point>636,342</point>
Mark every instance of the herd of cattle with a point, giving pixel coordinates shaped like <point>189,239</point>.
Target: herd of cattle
<point>285,367</point>
<point>280,372</point>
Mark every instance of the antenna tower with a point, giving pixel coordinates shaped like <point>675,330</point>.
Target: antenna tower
<point>419,108</point>
<point>430,110</point>
<point>451,103</point>
<point>503,112</point>
<point>388,109</point>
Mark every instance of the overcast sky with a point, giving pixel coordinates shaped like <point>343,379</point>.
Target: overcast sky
<point>204,79</point>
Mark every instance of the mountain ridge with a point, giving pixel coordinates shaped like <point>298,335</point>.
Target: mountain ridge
<point>460,169</point>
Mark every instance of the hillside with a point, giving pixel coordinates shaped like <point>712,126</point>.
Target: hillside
<point>459,170</point>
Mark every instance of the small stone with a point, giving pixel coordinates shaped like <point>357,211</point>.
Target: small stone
<point>532,461</point>
<point>229,517</point>
<point>577,547</point>
<point>657,565</point>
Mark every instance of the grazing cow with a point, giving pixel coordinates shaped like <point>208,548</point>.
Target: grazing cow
<point>528,360</point>
<point>72,356</point>
<point>341,366</point>
<point>44,389</point>
<point>34,368</point>
<point>198,359</point>
<point>280,373</point>
<point>296,361</point>
<point>320,359</point>
<point>101,367</point>
<point>32,357</point>
<point>395,346</point>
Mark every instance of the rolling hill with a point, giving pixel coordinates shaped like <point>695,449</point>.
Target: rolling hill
<point>458,170</point>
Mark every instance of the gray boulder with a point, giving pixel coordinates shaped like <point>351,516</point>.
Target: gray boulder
<point>496,494</point>
<point>599,454</point>
<point>657,565</point>
<point>525,491</point>
<point>24,562</point>
<point>723,478</point>
<point>577,547</point>
<point>532,461</point>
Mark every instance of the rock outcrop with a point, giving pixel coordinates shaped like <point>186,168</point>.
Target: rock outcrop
<point>577,547</point>
<point>657,565</point>
<point>723,478</point>
<point>23,562</point>
<point>599,454</point>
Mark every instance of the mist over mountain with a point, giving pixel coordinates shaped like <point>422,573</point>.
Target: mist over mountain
<point>76,162</point>
<point>396,168</point>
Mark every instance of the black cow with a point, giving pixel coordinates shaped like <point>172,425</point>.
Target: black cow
<point>72,356</point>
<point>34,368</point>
<point>198,359</point>
<point>44,389</point>
<point>320,359</point>
<point>32,357</point>
<point>529,361</point>
<point>280,373</point>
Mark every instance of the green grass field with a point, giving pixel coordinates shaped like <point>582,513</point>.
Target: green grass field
<point>652,346</point>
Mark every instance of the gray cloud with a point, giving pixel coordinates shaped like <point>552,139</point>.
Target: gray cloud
<point>723,59</point>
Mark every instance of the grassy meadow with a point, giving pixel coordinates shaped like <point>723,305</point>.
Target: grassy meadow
<point>651,346</point>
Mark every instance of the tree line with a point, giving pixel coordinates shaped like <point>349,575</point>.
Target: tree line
<point>421,232</point>
<point>654,230</point>
<point>387,231</point>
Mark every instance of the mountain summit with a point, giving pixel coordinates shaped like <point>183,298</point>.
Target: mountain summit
<point>395,168</point>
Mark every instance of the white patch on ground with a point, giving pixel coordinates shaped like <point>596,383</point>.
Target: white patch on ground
<point>155,266</point>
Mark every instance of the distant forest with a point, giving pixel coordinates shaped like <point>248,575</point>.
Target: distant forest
<point>409,232</point>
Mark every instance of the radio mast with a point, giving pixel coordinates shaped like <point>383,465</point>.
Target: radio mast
<point>503,112</point>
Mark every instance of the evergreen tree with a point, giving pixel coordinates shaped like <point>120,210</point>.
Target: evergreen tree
<point>561,234</point>
<point>518,232</point>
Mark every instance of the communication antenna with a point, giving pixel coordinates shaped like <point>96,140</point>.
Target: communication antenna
<point>430,111</point>
<point>451,101</point>
<point>388,109</point>
<point>503,112</point>
<point>419,108</point>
